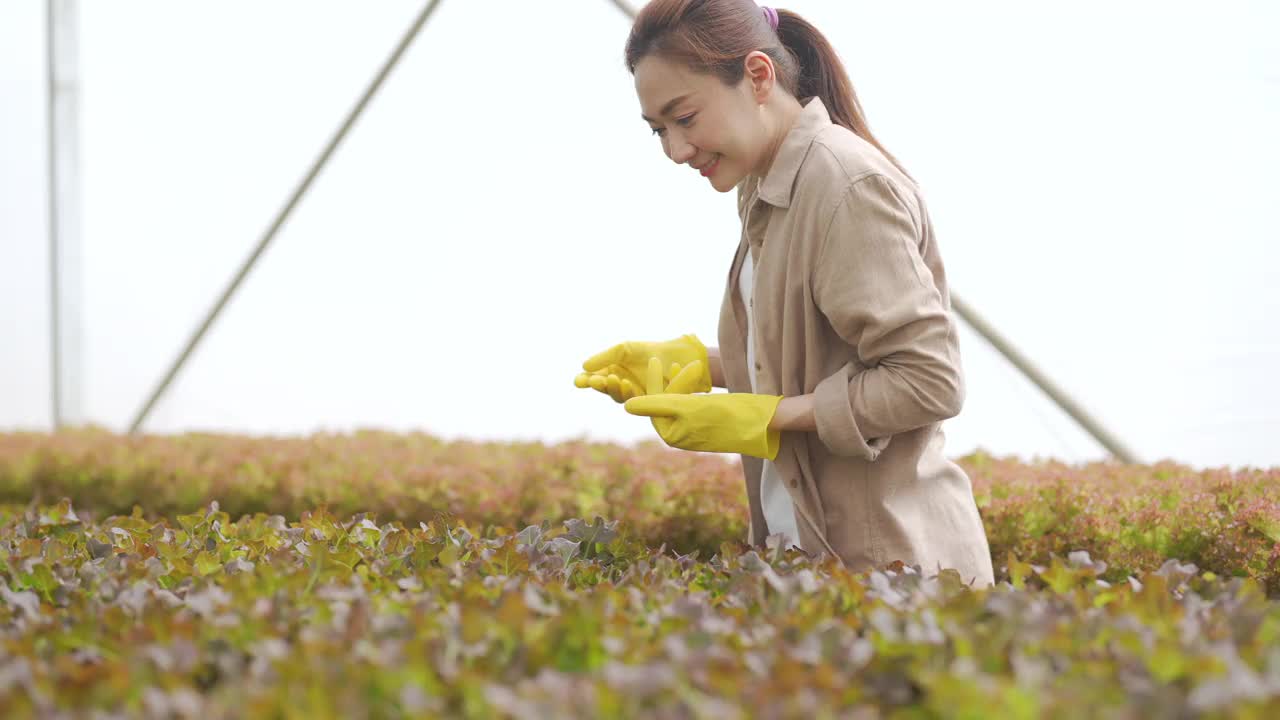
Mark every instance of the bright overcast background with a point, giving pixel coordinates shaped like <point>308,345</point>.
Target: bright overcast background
<point>1104,178</point>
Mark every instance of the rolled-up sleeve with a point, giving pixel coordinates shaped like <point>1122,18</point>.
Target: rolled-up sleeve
<point>875,289</point>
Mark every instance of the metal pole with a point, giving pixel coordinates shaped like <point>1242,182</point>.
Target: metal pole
<point>55,347</point>
<point>1020,361</point>
<point>626,8</point>
<point>283,214</point>
<point>1042,381</point>
<point>62,77</point>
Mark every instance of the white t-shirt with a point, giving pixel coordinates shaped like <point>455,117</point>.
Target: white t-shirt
<point>778,512</point>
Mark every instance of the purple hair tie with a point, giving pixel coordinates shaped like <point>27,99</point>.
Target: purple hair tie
<point>772,16</point>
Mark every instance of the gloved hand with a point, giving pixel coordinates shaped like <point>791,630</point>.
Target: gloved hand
<point>721,422</point>
<point>621,371</point>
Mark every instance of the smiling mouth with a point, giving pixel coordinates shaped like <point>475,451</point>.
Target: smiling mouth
<point>706,169</point>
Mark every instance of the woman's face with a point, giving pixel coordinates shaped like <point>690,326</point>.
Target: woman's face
<point>715,129</point>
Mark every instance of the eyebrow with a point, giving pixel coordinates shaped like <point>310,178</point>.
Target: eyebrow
<point>667,108</point>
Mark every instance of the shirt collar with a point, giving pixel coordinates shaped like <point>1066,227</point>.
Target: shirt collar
<point>775,187</point>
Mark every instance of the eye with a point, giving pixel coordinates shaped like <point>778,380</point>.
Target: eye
<point>684,122</point>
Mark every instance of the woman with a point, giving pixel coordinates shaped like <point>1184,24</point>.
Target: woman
<point>838,386</point>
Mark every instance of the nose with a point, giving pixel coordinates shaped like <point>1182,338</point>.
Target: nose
<point>679,149</point>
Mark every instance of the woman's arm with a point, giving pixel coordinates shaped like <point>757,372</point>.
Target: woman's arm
<point>877,291</point>
<point>793,413</point>
<point>717,370</point>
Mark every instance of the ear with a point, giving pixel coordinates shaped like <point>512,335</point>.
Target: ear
<point>761,75</point>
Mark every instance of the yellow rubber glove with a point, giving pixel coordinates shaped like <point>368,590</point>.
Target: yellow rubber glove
<point>618,382</point>
<point>721,422</point>
<point>621,371</point>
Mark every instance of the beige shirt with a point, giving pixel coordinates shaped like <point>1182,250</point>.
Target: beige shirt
<point>851,304</point>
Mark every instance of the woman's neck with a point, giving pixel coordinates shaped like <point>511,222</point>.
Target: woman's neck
<point>787,110</point>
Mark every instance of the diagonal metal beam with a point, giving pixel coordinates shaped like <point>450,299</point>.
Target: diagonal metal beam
<point>405,41</point>
<point>1019,360</point>
<point>1042,381</point>
<point>626,8</point>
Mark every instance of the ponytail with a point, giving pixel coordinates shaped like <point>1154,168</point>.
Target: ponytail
<point>822,74</point>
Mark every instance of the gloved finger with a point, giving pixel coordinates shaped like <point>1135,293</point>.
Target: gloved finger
<point>686,381</point>
<point>628,377</point>
<point>653,382</point>
<point>629,390</point>
<point>615,388</point>
<point>585,381</point>
<point>653,406</point>
<point>599,382</point>
<point>622,373</point>
<point>673,373</point>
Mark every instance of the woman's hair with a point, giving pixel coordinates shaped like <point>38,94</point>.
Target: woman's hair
<point>715,36</point>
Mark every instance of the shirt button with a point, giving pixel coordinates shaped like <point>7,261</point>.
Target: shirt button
<point>795,483</point>
<point>759,367</point>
